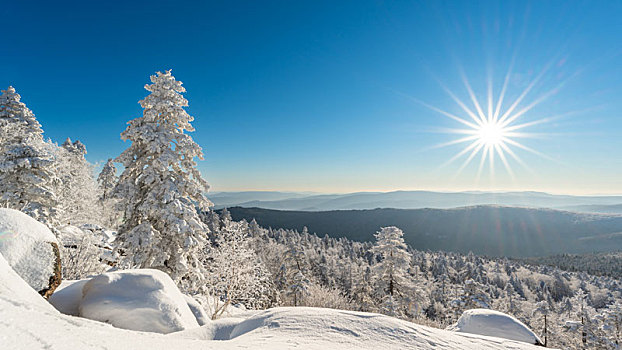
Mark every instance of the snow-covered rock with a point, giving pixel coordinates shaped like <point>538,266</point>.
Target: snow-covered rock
<point>68,296</point>
<point>495,324</point>
<point>70,236</point>
<point>31,249</point>
<point>143,300</point>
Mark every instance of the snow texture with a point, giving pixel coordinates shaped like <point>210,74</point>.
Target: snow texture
<point>495,323</point>
<point>143,300</point>
<point>25,244</point>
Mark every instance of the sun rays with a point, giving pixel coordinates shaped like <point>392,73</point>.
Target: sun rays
<point>491,131</point>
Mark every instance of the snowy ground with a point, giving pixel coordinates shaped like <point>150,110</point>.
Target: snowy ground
<point>29,322</point>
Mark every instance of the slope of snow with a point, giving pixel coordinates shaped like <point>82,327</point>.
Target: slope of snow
<point>142,300</point>
<point>25,244</point>
<point>316,328</point>
<point>494,323</point>
<point>29,322</point>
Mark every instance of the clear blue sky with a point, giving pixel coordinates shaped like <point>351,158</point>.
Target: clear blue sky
<point>326,95</point>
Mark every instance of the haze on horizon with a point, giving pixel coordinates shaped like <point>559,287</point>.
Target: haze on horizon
<point>349,97</point>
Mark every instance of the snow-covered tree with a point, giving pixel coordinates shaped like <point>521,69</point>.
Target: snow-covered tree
<point>107,180</point>
<point>161,188</point>
<point>235,274</point>
<point>293,277</point>
<point>82,259</point>
<point>27,176</point>
<point>543,308</point>
<point>391,273</point>
<point>77,191</point>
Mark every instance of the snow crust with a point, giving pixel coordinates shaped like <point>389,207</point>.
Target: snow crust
<point>25,244</point>
<point>143,300</point>
<point>495,323</point>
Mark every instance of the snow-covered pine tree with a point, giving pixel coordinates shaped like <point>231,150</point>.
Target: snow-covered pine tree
<point>293,273</point>
<point>27,176</point>
<point>391,273</point>
<point>543,308</point>
<point>162,189</point>
<point>77,192</point>
<point>107,180</point>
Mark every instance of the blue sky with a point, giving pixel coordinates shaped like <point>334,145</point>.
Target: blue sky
<point>331,96</point>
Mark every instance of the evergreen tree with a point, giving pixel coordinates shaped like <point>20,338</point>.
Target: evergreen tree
<point>107,180</point>
<point>161,188</point>
<point>293,275</point>
<point>27,178</point>
<point>392,278</point>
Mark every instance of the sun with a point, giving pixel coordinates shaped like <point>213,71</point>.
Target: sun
<point>491,134</point>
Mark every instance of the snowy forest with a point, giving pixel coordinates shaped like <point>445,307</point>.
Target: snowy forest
<point>149,208</point>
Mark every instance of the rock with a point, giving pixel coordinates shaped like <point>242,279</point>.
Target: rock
<point>495,324</point>
<point>142,300</point>
<point>31,249</point>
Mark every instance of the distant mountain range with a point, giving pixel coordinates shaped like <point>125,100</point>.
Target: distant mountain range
<point>414,200</point>
<point>486,230</point>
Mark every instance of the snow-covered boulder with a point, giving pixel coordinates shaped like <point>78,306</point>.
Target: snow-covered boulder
<point>142,300</point>
<point>31,249</point>
<point>68,296</point>
<point>70,236</point>
<point>495,324</point>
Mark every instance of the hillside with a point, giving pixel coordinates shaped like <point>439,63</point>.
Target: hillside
<point>487,230</point>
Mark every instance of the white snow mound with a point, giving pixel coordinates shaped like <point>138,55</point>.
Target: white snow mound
<point>495,324</point>
<point>67,296</point>
<point>25,244</point>
<point>141,300</point>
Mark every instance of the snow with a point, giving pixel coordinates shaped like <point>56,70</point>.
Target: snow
<point>197,310</point>
<point>143,300</point>
<point>25,244</point>
<point>67,296</point>
<point>70,235</point>
<point>29,322</point>
<point>495,323</point>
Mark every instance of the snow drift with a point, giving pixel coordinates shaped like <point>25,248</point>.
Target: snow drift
<point>142,300</point>
<point>496,324</point>
<point>31,249</point>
